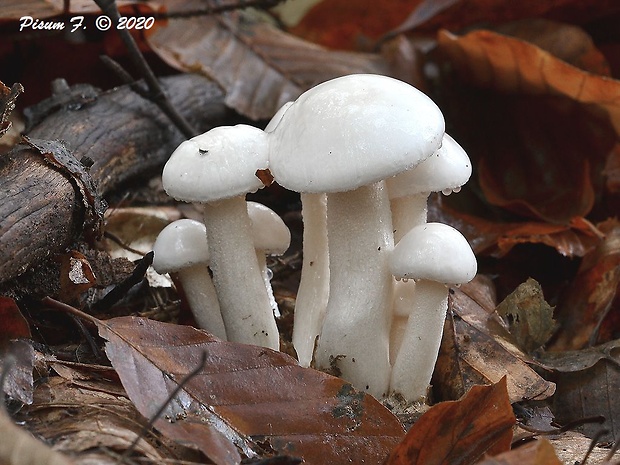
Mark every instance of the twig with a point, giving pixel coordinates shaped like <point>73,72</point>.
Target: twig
<point>121,289</point>
<point>160,410</point>
<point>156,94</point>
<point>593,442</point>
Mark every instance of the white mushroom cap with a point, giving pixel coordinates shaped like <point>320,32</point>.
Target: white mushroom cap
<point>435,252</point>
<point>181,244</point>
<point>353,131</point>
<point>270,233</point>
<point>447,169</point>
<point>218,164</point>
<point>273,123</point>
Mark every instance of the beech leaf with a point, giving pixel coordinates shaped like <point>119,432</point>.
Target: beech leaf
<point>476,348</point>
<point>460,432</point>
<point>259,67</point>
<point>246,399</point>
<point>539,452</point>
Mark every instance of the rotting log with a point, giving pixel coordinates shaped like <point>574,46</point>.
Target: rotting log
<point>42,210</point>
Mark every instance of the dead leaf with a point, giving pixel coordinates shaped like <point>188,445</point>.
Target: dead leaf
<point>459,432</point>
<point>14,325</point>
<point>531,159</point>
<point>539,452</point>
<point>346,25</point>
<point>511,65</point>
<point>431,15</point>
<point>259,67</point>
<point>589,298</point>
<point>477,349</point>
<point>566,42</point>
<point>587,386</point>
<point>528,316</point>
<point>248,398</point>
<point>497,239</point>
<point>19,381</point>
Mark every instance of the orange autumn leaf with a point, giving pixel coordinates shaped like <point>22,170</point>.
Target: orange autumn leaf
<point>549,127</point>
<point>459,432</point>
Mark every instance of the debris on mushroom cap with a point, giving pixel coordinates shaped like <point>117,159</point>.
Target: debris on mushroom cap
<point>353,131</point>
<point>219,164</point>
<point>269,231</point>
<point>181,244</point>
<point>434,251</point>
<point>447,169</point>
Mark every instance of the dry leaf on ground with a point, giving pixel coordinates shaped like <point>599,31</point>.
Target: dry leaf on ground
<point>246,398</point>
<point>476,348</point>
<point>259,67</point>
<point>538,452</point>
<point>459,432</point>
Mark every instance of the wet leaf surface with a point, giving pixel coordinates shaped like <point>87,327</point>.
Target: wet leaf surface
<point>459,432</point>
<point>246,397</point>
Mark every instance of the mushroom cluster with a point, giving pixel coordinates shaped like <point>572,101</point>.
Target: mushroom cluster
<point>364,152</point>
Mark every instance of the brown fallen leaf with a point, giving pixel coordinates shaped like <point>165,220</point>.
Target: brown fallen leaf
<point>459,432</point>
<point>259,67</point>
<point>497,239</point>
<point>528,316</point>
<point>589,298</point>
<point>14,325</point>
<point>246,398</point>
<point>552,114</point>
<point>587,386</point>
<point>476,348</point>
<point>430,15</point>
<point>539,452</point>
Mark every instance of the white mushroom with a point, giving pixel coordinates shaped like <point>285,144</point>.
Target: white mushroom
<point>343,137</point>
<point>313,290</point>
<point>217,169</point>
<point>271,237</point>
<point>435,255</point>
<point>182,248</point>
<point>447,170</point>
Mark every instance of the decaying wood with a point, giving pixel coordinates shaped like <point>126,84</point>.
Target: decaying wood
<point>126,136</point>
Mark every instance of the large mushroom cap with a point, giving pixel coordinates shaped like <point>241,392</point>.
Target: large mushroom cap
<point>353,131</point>
<point>447,169</point>
<point>436,252</point>
<point>181,244</point>
<point>218,164</point>
<point>269,231</point>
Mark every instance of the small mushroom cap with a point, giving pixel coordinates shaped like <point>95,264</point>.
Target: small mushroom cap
<point>353,131</point>
<point>447,169</point>
<point>268,230</point>
<point>216,165</point>
<point>436,252</point>
<point>181,244</point>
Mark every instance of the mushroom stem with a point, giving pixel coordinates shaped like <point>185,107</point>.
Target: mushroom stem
<point>415,362</point>
<point>237,276</point>
<point>313,290</point>
<point>261,258</point>
<point>354,339</point>
<point>200,294</point>
<point>408,212</point>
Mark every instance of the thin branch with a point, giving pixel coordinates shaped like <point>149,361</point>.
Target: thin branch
<point>156,93</point>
